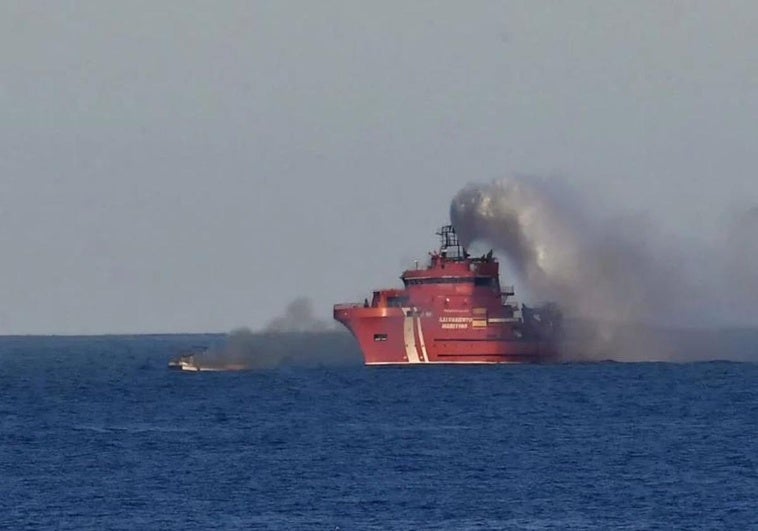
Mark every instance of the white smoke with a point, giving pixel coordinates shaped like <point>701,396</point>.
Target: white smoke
<point>615,274</point>
<point>739,275</point>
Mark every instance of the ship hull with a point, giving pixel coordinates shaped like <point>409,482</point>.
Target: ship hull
<point>406,336</point>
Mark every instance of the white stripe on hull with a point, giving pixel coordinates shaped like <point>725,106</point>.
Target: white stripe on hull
<point>410,341</point>
<point>421,339</point>
<point>447,363</point>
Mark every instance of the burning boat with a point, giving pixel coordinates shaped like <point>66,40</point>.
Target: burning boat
<point>192,361</point>
<point>184,363</point>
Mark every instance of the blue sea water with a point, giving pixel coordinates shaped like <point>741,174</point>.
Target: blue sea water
<point>96,433</point>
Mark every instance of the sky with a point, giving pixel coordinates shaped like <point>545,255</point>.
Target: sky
<point>195,166</point>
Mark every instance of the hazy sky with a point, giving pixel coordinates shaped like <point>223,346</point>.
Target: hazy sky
<point>195,166</point>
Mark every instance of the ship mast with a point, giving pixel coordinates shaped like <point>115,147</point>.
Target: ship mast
<point>450,246</point>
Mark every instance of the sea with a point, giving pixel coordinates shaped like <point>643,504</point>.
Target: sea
<point>97,433</point>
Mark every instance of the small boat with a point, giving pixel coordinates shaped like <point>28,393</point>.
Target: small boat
<point>184,363</point>
<point>190,362</point>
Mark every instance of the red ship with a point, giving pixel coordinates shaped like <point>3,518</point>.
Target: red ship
<point>452,311</point>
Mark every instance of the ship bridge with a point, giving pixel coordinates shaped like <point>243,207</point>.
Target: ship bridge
<point>452,265</point>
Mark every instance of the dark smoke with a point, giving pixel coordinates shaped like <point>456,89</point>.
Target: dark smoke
<point>620,281</point>
<point>298,317</point>
<point>245,349</point>
<point>295,338</point>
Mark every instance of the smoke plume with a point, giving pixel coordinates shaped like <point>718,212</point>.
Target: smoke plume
<point>298,317</point>
<point>620,278</point>
<point>295,338</point>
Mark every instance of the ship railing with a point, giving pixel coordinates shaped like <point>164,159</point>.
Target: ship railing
<point>505,300</point>
<point>514,307</point>
<point>348,305</point>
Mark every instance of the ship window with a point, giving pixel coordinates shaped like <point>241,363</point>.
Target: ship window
<point>449,280</point>
<point>485,281</point>
<point>380,337</point>
<point>397,302</point>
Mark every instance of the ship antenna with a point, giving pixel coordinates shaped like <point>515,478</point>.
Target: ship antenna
<point>450,246</point>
